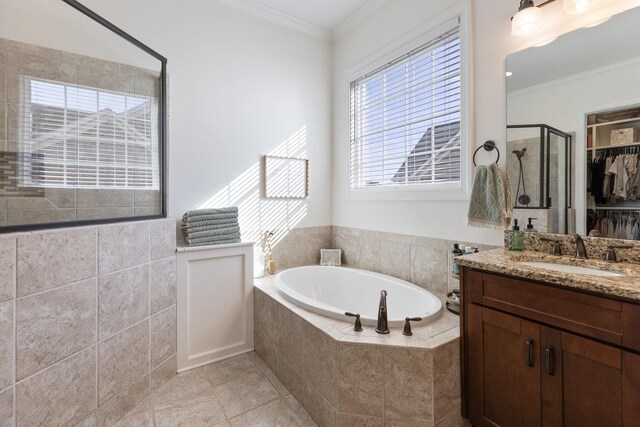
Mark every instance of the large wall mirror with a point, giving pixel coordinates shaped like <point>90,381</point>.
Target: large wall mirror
<point>82,119</point>
<point>573,107</point>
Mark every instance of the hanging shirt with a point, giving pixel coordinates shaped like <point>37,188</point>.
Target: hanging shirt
<point>633,185</point>
<point>606,186</point>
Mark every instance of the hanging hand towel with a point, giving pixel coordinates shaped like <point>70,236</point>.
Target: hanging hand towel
<point>491,203</point>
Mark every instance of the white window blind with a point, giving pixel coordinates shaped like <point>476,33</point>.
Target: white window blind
<point>405,118</point>
<point>81,137</point>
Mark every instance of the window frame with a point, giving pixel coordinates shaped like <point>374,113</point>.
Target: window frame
<point>455,16</point>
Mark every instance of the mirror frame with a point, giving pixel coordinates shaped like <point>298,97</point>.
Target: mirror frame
<point>162,134</point>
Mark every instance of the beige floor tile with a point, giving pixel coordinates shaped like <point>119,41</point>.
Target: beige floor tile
<point>284,412</point>
<point>201,414</point>
<point>249,394</point>
<point>184,390</point>
<point>140,416</point>
<point>245,393</point>
<point>276,382</point>
<point>230,369</point>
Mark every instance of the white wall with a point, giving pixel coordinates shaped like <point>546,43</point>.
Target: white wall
<point>492,43</point>
<point>240,88</point>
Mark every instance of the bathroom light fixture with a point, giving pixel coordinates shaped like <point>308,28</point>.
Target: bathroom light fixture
<point>509,73</point>
<point>598,22</point>
<point>528,20</point>
<point>546,42</point>
<point>574,7</point>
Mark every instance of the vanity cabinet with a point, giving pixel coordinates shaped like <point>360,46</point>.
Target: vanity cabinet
<point>536,355</point>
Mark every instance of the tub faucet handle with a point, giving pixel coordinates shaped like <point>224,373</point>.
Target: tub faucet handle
<point>407,325</point>
<point>358,325</point>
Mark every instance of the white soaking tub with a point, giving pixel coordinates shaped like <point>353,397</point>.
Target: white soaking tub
<point>331,291</point>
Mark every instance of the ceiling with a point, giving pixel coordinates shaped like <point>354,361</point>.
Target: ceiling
<point>323,13</point>
<point>612,42</point>
<point>320,18</point>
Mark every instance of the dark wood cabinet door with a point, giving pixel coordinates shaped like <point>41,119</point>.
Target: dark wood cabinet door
<point>504,369</point>
<point>592,383</point>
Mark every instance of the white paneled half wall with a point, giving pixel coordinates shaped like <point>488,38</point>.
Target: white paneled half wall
<point>215,303</point>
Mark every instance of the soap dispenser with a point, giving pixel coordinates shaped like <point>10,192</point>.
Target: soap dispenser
<point>516,239</point>
<point>530,228</point>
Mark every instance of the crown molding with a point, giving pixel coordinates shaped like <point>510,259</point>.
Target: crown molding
<point>356,18</point>
<point>267,13</point>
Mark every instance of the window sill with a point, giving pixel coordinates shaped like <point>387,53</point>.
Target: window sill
<point>441,192</point>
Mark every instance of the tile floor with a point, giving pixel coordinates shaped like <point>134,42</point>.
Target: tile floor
<point>240,391</point>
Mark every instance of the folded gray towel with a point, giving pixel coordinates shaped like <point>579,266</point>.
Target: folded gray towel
<point>212,239</point>
<point>190,229</point>
<point>218,242</point>
<point>220,213</point>
<point>205,216</point>
<point>211,232</point>
<point>206,222</point>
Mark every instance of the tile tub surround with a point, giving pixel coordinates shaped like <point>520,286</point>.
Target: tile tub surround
<point>506,262</point>
<point>87,328</point>
<point>423,261</point>
<point>344,378</point>
<point>301,246</point>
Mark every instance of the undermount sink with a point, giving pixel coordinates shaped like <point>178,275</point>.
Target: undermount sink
<point>575,269</point>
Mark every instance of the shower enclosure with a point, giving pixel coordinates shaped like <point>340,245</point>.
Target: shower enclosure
<point>539,164</point>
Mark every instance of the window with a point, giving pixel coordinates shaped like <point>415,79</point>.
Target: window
<point>406,118</point>
<point>81,137</point>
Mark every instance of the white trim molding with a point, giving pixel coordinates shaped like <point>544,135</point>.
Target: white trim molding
<point>259,10</point>
<point>353,20</point>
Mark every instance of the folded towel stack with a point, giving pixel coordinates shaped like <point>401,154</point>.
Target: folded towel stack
<point>211,226</point>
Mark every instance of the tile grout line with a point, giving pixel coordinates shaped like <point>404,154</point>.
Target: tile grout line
<point>149,310</point>
<point>97,315</point>
<point>14,339</point>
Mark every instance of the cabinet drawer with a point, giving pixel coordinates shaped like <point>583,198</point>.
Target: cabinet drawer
<point>597,317</point>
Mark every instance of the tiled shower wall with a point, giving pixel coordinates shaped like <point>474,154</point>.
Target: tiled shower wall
<point>87,321</point>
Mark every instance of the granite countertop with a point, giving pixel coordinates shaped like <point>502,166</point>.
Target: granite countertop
<point>506,262</point>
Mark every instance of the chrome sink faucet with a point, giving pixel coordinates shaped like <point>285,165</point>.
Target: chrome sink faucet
<point>383,324</point>
<point>581,251</point>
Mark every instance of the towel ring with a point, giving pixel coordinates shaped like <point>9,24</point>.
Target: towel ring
<point>488,146</point>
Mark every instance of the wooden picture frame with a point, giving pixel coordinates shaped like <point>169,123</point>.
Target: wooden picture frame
<point>285,177</point>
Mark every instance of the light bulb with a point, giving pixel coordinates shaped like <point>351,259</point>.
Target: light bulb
<point>527,21</point>
<point>575,7</point>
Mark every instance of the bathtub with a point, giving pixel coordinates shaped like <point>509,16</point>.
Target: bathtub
<point>331,291</point>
